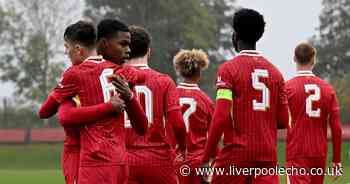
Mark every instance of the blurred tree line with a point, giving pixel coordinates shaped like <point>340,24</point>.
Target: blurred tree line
<point>333,50</point>
<point>32,57</point>
<point>32,31</point>
<point>175,25</point>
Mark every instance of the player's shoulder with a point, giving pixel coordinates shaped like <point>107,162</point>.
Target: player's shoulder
<point>228,64</point>
<point>71,71</point>
<point>159,76</point>
<point>205,97</point>
<point>326,85</point>
<point>271,67</point>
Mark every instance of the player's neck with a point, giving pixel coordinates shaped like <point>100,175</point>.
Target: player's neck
<point>138,61</point>
<point>90,54</point>
<point>304,68</point>
<point>246,46</point>
<point>191,80</point>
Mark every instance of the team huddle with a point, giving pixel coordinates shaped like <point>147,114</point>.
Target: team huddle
<point>128,123</point>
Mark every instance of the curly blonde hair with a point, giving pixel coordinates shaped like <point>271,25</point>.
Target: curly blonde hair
<point>190,62</point>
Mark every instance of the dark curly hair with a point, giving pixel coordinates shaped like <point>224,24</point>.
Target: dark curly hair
<point>249,25</point>
<point>110,27</point>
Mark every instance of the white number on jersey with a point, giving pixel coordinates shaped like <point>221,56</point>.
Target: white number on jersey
<point>148,105</point>
<point>107,87</point>
<point>261,106</point>
<point>193,106</point>
<point>312,98</point>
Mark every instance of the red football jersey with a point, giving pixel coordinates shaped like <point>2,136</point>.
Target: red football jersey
<point>103,142</point>
<point>158,96</point>
<point>197,109</point>
<point>312,103</point>
<point>72,139</point>
<point>258,93</point>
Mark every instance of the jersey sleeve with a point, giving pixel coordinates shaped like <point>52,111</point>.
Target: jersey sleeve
<point>283,114</point>
<point>224,84</point>
<point>67,87</point>
<point>223,80</point>
<point>70,114</point>
<point>132,75</point>
<point>210,110</point>
<point>171,97</point>
<point>334,121</point>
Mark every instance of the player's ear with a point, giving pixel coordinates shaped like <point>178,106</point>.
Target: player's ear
<point>149,52</point>
<point>314,61</point>
<point>103,43</point>
<point>295,59</point>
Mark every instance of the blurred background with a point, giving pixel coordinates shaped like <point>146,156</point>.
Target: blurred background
<point>32,59</point>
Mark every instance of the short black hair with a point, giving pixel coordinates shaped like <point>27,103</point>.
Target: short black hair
<point>140,41</point>
<point>81,32</point>
<point>249,25</point>
<point>109,27</point>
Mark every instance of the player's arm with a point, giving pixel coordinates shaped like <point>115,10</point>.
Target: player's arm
<point>66,89</point>
<point>131,75</point>
<point>137,116</point>
<point>69,114</point>
<point>48,108</point>
<point>211,109</point>
<point>222,115</point>
<point>174,116</point>
<point>283,113</point>
<point>335,125</point>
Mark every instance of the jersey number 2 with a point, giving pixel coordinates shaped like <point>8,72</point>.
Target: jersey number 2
<point>312,98</point>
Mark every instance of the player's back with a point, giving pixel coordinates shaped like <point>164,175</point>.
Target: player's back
<point>103,141</point>
<point>158,96</point>
<point>310,100</point>
<point>197,109</point>
<point>256,86</point>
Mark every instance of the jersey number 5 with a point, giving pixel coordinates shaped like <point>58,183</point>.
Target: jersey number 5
<point>257,85</point>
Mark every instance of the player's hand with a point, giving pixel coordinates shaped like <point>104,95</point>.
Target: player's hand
<point>122,87</point>
<point>118,104</point>
<point>205,179</point>
<point>337,171</point>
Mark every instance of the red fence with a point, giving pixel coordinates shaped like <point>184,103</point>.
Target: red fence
<point>48,135</point>
<point>55,135</point>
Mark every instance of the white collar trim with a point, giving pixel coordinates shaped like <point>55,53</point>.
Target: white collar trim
<point>250,53</point>
<point>140,66</point>
<point>184,85</point>
<point>305,73</point>
<point>95,59</point>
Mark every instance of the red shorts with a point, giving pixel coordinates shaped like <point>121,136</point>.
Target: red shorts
<point>104,175</point>
<point>70,166</point>
<point>244,179</point>
<point>152,175</point>
<point>308,177</point>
